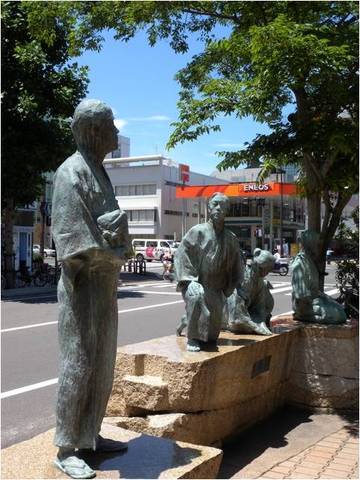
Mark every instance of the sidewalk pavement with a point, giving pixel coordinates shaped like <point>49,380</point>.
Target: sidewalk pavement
<point>295,444</point>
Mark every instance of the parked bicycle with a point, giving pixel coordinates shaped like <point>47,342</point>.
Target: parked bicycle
<point>25,278</point>
<point>52,275</point>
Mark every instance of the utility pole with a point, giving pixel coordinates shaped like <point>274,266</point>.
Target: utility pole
<point>281,214</point>
<point>43,221</point>
<point>271,242</point>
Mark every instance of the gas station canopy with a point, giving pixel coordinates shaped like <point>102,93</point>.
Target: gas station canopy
<point>246,189</point>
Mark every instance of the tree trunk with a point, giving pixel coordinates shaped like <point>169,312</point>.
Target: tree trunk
<point>314,211</point>
<point>314,223</point>
<point>8,252</point>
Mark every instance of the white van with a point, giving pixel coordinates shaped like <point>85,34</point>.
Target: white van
<point>150,249</point>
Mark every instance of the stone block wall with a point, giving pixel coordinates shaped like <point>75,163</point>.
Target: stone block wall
<point>203,398</point>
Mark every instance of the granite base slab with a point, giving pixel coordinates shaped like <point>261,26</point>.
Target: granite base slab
<point>160,375</point>
<point>146,457</point>
<point>206,427</point>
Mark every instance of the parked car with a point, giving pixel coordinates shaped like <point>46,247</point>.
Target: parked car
<point>48,252</point>
<point>150,249</point>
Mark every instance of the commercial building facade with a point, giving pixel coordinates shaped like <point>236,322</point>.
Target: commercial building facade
<point>145,188</point>
<point>260,214</point>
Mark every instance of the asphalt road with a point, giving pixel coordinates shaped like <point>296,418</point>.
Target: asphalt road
<point>29,358</point>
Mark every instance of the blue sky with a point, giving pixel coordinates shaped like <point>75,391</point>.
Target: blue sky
<point>137,81</point>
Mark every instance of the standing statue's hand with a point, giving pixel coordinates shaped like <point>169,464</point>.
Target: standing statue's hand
<point>195,288</point>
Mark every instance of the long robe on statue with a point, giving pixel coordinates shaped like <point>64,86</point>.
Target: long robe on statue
<point>214,260</point>
<point>87,295</point>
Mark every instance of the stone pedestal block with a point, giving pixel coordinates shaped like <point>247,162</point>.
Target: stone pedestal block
<point>210,426</point>
<point>161,376</point>
<point>326,368</point>
<point>161,389</point>
<point>146,457</point>
<point>204,397</point>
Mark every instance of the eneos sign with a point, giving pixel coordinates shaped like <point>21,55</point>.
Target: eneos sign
<point>254,187</point>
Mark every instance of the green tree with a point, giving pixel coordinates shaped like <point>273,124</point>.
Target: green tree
<point>40,89</point>
<point>272,54</point>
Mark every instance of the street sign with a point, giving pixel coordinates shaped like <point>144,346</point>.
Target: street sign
<point>184,172</point>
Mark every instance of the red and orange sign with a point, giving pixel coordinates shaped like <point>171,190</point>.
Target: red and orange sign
<point>184,172</point>
<point>248,189</point>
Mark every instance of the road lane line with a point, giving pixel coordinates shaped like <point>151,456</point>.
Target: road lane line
<point>120,311</point>
<point>53,381</point>
<point>332,292</point>
<point>6,330</point>
<point>171,285</point>
<point>28,388</point>
<point>328,292</point>
<point>138,286</point>
<point>150,306</point>
<point>281,314</point>
<point>151,292</point>
<point>282,289</point>
<point>34,325</point>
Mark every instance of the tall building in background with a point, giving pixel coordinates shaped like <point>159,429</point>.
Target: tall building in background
<point>123,149</point>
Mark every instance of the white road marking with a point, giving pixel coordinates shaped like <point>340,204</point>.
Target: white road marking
<point>150,306</point>
<point>281,314</point>
<point>151,292</point>
<point>138,286</point>
<point>120,311</point>
<point>34,325</point>
<point>282,289</point>
<point>332,292</point>
<point>171,285</point>
<point>328,292</point>
<point>28,388</point>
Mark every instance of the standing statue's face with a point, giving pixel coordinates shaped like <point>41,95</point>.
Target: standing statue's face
<point>218,208</point>
<point>110,132</point>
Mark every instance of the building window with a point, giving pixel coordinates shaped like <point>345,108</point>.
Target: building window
<point>139,243</point>
<point>141,215</point>
<point>173,212</point>
<point>151,244</point>
<point>135,190</point>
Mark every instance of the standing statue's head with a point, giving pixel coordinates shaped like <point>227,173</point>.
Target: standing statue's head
<point>218,207</point>
<point>93,128</point>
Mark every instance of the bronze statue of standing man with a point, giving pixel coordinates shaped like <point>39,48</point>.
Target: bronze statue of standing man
<point>85,217</point>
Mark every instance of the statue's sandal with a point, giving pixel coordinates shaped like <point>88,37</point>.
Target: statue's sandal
<point>75,467</point>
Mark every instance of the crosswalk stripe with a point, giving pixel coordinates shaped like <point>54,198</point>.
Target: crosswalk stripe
<point>281,289</point>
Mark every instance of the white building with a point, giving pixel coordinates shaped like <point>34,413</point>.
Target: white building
<point>145,188</point>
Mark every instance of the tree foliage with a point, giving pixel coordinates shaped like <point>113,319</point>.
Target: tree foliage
<point>40,89</point>
<point>270,55</point>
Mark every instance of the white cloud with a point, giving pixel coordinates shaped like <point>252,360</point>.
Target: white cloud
<point>120,123</point>
<point>151,118</point>
<point>229,145</point>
